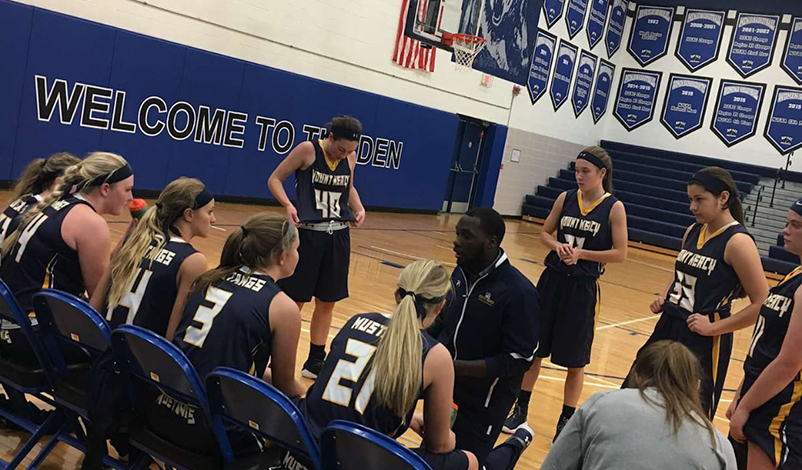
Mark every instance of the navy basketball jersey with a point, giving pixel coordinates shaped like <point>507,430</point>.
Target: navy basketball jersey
<point>584,227</point>
<point>41,258</point>
<point>772,324</point>
<point>228,324</point>
<point>344,387</point>
<point>10,218</point>
<point>323,191</point>
<point>703,282</point>
<point>148,301</point>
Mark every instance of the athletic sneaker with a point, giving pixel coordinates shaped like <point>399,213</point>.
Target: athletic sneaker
<point>524,435</point>
<point>560,425</point>
<point>515,420</point>
<point>312,367</point>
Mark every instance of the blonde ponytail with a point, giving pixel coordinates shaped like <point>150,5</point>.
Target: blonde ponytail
<point>154,226</point>
<point>397,365</point>
<point>75,177</point>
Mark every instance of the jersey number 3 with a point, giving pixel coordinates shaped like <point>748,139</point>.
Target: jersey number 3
<point>328,203</point>
<point>352,371</point>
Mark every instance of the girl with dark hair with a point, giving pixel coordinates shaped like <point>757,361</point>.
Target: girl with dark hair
<point>326,202</point>
<point>718,262</point>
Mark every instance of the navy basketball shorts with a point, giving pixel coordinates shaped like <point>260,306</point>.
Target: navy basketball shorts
<point>454,460</point>
<point>713,353</point>
<point>323,264</point>
<point>569,309</point>
<point>776,426</point>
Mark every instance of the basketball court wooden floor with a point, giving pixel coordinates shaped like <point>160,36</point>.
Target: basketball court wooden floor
<point>388,241</point>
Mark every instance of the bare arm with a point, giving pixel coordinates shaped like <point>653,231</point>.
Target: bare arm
<point>98,299</point>
<point>618,221</point>
<point>192,267</point>
<point>88,234</point>
<point>354,201</point>
<point>299,158</point>
<point>285,323</point>
<point>777,375</point>
<point>741,253</point>
<point>438,396</point>
<point>547,237</point>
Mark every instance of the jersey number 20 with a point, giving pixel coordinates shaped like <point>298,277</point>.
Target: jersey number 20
<point>340,394</point>
<point>328,203</point>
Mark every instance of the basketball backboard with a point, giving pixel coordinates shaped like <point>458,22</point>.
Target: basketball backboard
<point>429,20</point>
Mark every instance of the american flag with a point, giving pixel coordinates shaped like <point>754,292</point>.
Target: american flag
<point>409,52</point>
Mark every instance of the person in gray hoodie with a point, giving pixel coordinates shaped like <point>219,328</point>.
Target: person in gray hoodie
<point>660,425</point>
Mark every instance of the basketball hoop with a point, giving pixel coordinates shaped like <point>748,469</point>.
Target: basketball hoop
<point>466,48</point>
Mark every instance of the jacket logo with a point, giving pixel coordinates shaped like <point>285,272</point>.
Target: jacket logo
<point>486,299</point>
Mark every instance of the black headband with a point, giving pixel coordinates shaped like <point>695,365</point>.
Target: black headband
<point>596,161</point>
<point>710,183</point>
<point>343,133</point>
<point>205,197</point>
<point>797,207</point>
<point>114,177</point>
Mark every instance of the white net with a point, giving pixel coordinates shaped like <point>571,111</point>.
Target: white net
<point>466,48</point>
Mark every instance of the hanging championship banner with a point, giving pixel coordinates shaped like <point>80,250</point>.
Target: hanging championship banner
<point>737,110</point>
<point>601,92</point>
<point>615,27</point>
<point>563,72</point>
<point>686,101</point>
<point>553,10</point>
<point>700,38</point>
<point>753,41</point>
<point>792,57</point>
<point>784,129</point>
<point>637,94</point>
<point>584,81</point>
<point>650,33</point>
<point>598,16</point>
<point>541,64</point>
<point>575,16</point>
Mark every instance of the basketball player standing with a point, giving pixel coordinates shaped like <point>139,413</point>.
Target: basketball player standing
<point>326,202</point>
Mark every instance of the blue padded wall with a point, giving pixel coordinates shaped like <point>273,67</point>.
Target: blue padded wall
<point>37,42</point>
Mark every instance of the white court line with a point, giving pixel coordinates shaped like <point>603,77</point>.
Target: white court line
<point>661,268</point>
<point>562,379</point>
<point>406,255</point>
<point>219,228</point>
<point>628,322</point>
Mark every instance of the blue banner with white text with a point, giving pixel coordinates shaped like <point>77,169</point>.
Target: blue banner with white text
<point>792,57</point>
<point>584,81</point>
<point>541,65</point>
<point>737,110</point>
<point>650,34</point>
<point>753,41</point>
<point>575,16</point>
<point>637,94</point>
<point>615,27</point>
<point>784,127</point>
<point>700,38</point>
<point>598,16</point>
<point>686,100</point>
<point>601,90</point>
<point>563,72</point>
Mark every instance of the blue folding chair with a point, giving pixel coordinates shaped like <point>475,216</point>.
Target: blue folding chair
<point>253,405</point>
<point>171,420</point>
<point>350,446</point>
<point>31,374</point>
<point>74,335</point>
